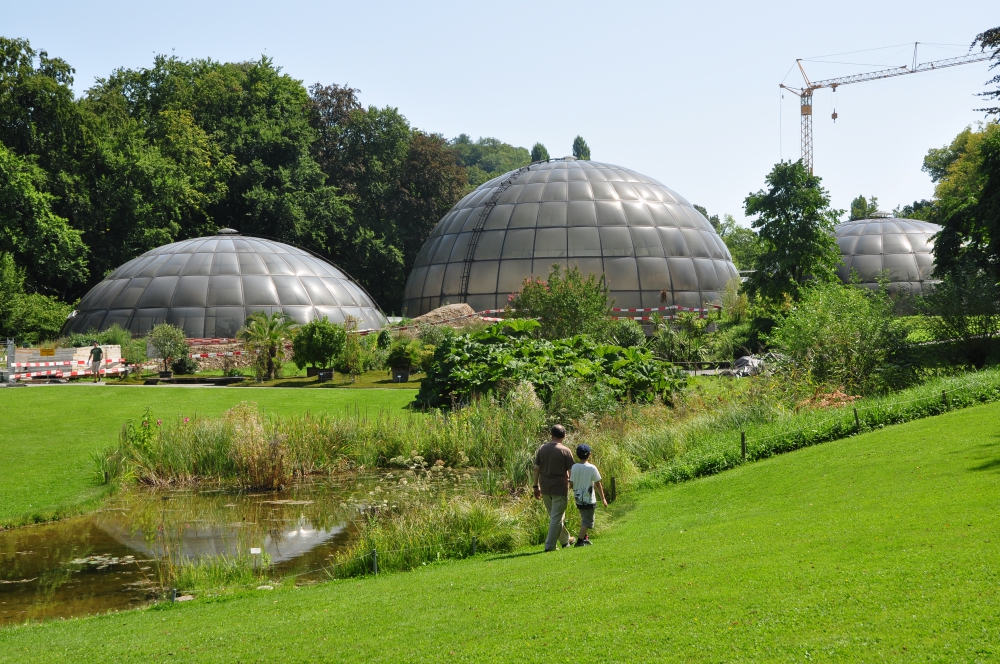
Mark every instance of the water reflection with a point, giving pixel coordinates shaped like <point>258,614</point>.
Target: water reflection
<point>113,559</point>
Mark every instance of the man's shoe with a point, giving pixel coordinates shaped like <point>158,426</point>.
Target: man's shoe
<point>584,542</point>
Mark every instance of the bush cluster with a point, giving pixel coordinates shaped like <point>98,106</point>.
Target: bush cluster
<point>507,352</point>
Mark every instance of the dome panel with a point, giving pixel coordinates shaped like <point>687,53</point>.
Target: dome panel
<point>901,249</point>
<point>208,286</point>
<point>601,218</point>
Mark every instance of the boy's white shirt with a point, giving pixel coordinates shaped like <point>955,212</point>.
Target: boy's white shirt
<point>583,475</point>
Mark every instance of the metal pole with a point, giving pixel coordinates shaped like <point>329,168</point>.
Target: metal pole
<point>743,444</point>
<point>473,545</point>
<point>374,561</point>
<point>614,490</point>
<point>857,421</point>
<point>173,595</point>
<point>944,398</point>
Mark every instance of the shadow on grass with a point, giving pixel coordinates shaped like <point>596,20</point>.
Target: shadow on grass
<point>522,554</point>
<point>989,449</point>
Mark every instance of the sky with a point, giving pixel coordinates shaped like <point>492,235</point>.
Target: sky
<point>686,93</point>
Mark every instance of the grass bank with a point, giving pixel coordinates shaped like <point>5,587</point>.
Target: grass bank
<point>48,433</point>
<point>879,547</point>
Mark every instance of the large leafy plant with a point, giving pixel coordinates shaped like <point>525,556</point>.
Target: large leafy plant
<point>474,364</point>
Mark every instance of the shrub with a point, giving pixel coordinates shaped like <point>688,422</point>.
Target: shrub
<point>474,364</point>
<point>573,399</point>
<point>626,333</point>
<point>169,342</point>
<point>565,304</point>
<point>184,366</point>
<point>843,336</point>
<point>266,335</point>
<point>317,343</point>
<point>966,308</point>
<point>27,317</point>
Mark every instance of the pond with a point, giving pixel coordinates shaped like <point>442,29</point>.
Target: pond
<point>118,557</point>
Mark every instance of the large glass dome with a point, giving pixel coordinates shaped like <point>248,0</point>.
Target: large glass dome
<point>644,237</point>
<point>900,249</point>
<point>208,286</point>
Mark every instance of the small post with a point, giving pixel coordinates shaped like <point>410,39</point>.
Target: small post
<point>743,444</point>
<point>944,398</point>
<point>173,595</point>
<point>614,490</point>
<point>473,545</point>
<point>857,420</point>
<point>374,561</point>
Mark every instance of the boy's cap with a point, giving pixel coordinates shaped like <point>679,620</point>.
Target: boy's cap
<point>583,450</point>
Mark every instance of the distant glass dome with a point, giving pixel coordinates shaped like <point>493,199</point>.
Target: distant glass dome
<point>901,248</point>
<point>208,286</point>
<point>606,219</point>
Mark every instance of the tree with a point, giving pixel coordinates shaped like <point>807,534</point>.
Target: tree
<point>539,153</point>
<point>51,250</point>
<point>169,343</point>
<point>986,40</point>
<point>266,335</point>
<point>27,317</point>
<point>923,210</point>
<point>744,245</point>
<point>967,203</point>
<point>317,343</point>
<point>487,158</point>
<point>566,304</point>
<point>580,149</point>
<point>795,225</point>
<point>965,307</point>
<point>862,208</point>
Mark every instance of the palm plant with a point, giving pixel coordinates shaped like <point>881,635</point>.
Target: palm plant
<point>267,335</point>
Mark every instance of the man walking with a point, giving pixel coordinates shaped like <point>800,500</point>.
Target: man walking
<point>550,480</point>
<point>96,355</point>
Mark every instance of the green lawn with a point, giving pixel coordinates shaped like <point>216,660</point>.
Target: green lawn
<point>48,433</point>
<point>881,547</point>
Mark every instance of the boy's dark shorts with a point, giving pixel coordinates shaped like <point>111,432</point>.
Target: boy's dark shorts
<point>586,515</point>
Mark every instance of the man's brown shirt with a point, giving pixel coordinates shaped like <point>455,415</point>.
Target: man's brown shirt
<point>554,461</point>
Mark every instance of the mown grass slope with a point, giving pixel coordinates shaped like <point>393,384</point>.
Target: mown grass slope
<point>47,434</point>
<point>880,547</point>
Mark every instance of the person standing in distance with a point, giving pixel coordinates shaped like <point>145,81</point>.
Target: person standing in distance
<point>96,355</point>
<point>550,480</point>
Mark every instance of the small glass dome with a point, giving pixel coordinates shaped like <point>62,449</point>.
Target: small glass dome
<point>652,246</point>
<point>208,286</point>
<point>902,250</point>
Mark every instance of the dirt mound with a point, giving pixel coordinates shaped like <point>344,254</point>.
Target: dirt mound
<point>453,313</point>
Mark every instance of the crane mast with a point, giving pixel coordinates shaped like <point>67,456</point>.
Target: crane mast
<point>805,93</point>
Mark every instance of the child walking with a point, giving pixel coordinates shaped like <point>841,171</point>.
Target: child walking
<point>584,478</point>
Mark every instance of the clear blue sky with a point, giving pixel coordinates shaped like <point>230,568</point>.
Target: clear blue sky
<point>684,92</point>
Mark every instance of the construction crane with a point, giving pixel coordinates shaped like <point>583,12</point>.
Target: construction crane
<point>805,93</point>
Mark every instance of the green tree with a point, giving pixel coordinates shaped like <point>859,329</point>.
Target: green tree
<point>795,225</point>
<point>317,343</point>
<point>965,306</point>
<point>744,245</point>
<point>51,250</point>
<point>990,39</point>
<point>266,335</point>
<point>862,208</point>
<point>487,158</point>
<point>580,149</point>
<point>27,317</point>
<point>923,210</point>
<point>566,304</point>
<point>539,153</point>
<point>168,343</point>
<point>967,203</point>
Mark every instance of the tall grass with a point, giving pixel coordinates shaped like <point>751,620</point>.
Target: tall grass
<point>258,451</point>
<point>414,535</point>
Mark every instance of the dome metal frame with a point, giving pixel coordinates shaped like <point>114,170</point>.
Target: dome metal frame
<point>652,246</point>
<point>900,251</point>
<point>208,288</point>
